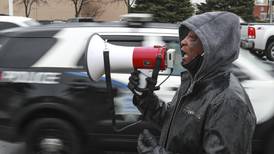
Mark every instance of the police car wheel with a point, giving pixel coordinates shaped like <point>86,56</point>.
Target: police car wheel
<point>52,136</point>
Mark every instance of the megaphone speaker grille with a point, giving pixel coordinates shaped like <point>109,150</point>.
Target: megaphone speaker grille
<point>120,57</point>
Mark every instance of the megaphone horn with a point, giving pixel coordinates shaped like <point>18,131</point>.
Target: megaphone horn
<point>122,58</point>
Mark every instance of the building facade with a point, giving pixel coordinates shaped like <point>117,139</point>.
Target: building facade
<point>64,9</point>
<point>261,9</point>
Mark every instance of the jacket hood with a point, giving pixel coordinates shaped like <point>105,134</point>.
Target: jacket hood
<point>219,33</point>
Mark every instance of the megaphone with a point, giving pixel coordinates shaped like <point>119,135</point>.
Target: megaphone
<point>124,58</point>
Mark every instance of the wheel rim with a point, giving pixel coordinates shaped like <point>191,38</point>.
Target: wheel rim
<point>272,52</point>
<point>52,141</point>
<point>51,145</point>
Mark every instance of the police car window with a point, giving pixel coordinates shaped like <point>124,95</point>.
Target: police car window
<point>3,40</point>
<point>241,75</point>
<point>7,25</point>
<point>24,52</point>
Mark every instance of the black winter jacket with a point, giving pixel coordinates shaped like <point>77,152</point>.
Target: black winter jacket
<point>210,113</point>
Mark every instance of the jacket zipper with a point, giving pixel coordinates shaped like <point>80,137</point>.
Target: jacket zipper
<point>189,90</point>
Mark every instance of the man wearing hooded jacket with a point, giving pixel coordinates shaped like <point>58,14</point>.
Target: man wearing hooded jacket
<point>210,113</point>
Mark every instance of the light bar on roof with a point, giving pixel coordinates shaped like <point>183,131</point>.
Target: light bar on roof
<point>137,17</point>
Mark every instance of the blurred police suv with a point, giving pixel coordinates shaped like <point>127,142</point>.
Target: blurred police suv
<point>48,100</point>
<point>7,22</point>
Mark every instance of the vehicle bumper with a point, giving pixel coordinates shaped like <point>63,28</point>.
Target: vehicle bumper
<point>247,44</point>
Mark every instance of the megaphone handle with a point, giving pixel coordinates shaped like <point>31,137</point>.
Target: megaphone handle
<point>109,86</point>
<point>155,74</point>
<point>110,98</point>
<point>150,85</point>
<point>107,74</point>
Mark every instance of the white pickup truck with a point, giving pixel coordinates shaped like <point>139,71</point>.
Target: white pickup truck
<point>258,38</point>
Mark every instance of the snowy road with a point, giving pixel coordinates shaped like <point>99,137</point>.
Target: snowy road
<point>11,148</point>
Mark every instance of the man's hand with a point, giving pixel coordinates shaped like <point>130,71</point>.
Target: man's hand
<point>134,82</point>
<point>143,98</point>
<point>146,142</point>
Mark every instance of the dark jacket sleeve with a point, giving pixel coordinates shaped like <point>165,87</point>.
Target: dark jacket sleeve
<point>152,108</point>
<point>229,128</point>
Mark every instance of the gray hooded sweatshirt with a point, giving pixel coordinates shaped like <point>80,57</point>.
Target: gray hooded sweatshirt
<point>210,113</point>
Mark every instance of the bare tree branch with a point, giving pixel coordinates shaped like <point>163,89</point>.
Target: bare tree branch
<point>92,9</point>
<point>78,5</point>
<point>128,3</point>
<point>28,5</point>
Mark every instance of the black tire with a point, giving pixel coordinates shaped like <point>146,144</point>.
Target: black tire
<point>259,54</point>
<point>270,51</point>
<point>51,135</point>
